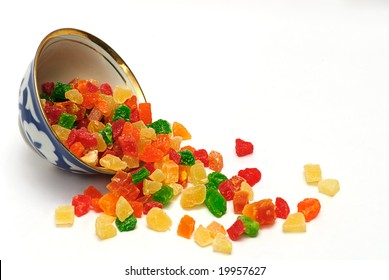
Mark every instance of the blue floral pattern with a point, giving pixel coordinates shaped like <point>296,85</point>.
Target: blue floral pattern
<point>38,133</point>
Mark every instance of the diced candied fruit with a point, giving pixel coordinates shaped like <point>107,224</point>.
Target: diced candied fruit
<point>105,88</point>
<point>164,195</point>
<point>64,215</point>
<point>112,162</point>
<point>186,226</point>
<point>262,211</point>
<point>127,224</point>
<point>177,188</point>
<point>120,94</point>
<point>59,91</point>
<point>151,204</point>
<point>202,155</point>
<point>309,207</point>
<point>151,187</point>
<point>236,230</point>
<point>312,173</point>
<point>77,149</point>
<point>66,120</point>
<point>180,130</point>
<point>241,198</point>
<point>187,157</point>
<point>137,206</point>
<point>74,95</point>
<point>139,176</point>
<point>170,169</point>
<point>294,223</point>
<point>151,154</point>
<point>193,196</point>
<point>202,236</point>
<point>122,112</point>
<point>157,175</point>
<point>221,244</point>
<point>162,142</point>
<point>108,203</point>
<point>61,132</point>
<point>328,186</point>
<point>123,209</point>
<point>251,226</point>
<point>215,228</point>
<point>52,112</point>
<point>251,175</point>
<point>243,148</point>
<point>215,202</point>
<point>82,204</point>
<point>48,87</point>
<point>161,126</point>
<point>104,226</point>
<point>197,173</point>
<point>282,208</point>
<point>216,178</point>
<point>226,188</point>
<point>145,113</point>
<point>215,161</point>
<point>246,187</point>
<point>237,181</point>
<point>158,220</point>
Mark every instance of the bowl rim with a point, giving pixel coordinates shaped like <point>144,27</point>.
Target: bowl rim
<point>106,48</point>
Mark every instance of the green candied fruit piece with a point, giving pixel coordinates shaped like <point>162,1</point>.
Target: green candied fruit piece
<point>216,203</point>
<point>217,178</point>
<point>140,175</point>
<point>164,195</point>
<point>211,185</point>
<point>161,126</point>
<point>187,158</point>
<point>252,227</point>
<point>58,93</point>
<point>127,225</point>
<point>66,120</point>
<point>122,112</point>
<point>106,132</point>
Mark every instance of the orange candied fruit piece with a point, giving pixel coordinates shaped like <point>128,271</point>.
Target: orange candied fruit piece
<point>215,228</point>
<point>215,161</point>
<point>132,103</point>
<point>162,142</point>
<point>186,226</point>
<point>310,207</point>
<point>180,130</point>
<point>77,149</point>
<point>137,206</point>
<point>262,211</point>
<point>108,203</point>
<point>131,130</point>
<point>145,114</point>
<point>151,154</point>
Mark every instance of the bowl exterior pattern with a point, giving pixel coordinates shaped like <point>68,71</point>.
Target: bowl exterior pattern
<point>37,132</point>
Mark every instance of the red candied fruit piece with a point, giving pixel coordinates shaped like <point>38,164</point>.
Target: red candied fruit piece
<point>53,112</point>
<point>251,175</point>
<point>262,211</point>
<point>310,207</point>
<point>122,178</point>
<point>226,188</point>
<point>282,208</point>
<point>151,204</point>
<point>86,138</point>
<point>92,192</point>
<point>236,230</point>
<point>89,99</point>
<point>82,204</point>
<point>117,128</point>
<point>137,207</point>
<point>174,156</point>
<point>91,87</point>
<point>202,155</point>
<point>106,89</point>
<point>150,167</point>
<point>128,145</point>
<point>237,181</point>
<point>134,117</point>
<point>48,87</point>
<point>83,123</point>
<point>133,192</point>
<point>243,148</point>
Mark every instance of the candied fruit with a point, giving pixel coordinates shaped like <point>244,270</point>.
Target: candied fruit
<point>202,236</point>
<point>193,196</point>
<point>294,223</point>
<point>186,226</point>
<point>262,211</point>
<point>312,173</point>
<point>158,220</point>
<point>64,215</point>
<point>328,186</point>
<point>221,244</point>
<point>309,207</point>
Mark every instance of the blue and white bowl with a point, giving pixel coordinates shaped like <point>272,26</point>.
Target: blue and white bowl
<point>63,55</point>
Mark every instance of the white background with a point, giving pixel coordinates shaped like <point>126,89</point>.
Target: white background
<point>305,82</point>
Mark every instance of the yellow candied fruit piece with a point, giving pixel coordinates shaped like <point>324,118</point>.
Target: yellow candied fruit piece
<point>170,169</point>
<point>139,125</point>
<point>91,158</point>
<point>157,175</point>
<point>104,227</point>
<point>328,186</point>
<point>247,188</point>
<point>112,162</point>
<point>132,162</point>
<point>150,187</point>
<point>123,209</point>
<point>215,228</point>
<point>294,223</point>
<point>148,133</point>
<point>142,143</point>
<point>177,188</point>
<point>74,96</point>
<point>197,173</point>
<point>175,142</point>
<point>202,236</point>
<point>120,95</point>
<point>110,101</point>
<point>193,196</point>
<point>61,132</point>
<point>312,173</point>
<point>64,215</point>
<point>95,126</point>
<point>101,145</point>
<point>158,220</point>
<point>221,244</point>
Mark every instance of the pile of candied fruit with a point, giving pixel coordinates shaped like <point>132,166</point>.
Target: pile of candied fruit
<point>109,129</point>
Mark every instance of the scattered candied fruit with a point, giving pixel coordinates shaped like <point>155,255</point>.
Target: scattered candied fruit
<point>312,173</point>
<point>64,215</point>
<point>221,244</point>
<point>328,186</point>
<point>186,226</point>
<point>158,220</point>
<point>309,207</point>
<point>294,223</point>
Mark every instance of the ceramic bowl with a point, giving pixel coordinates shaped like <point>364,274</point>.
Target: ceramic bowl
<point>61,56</point>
